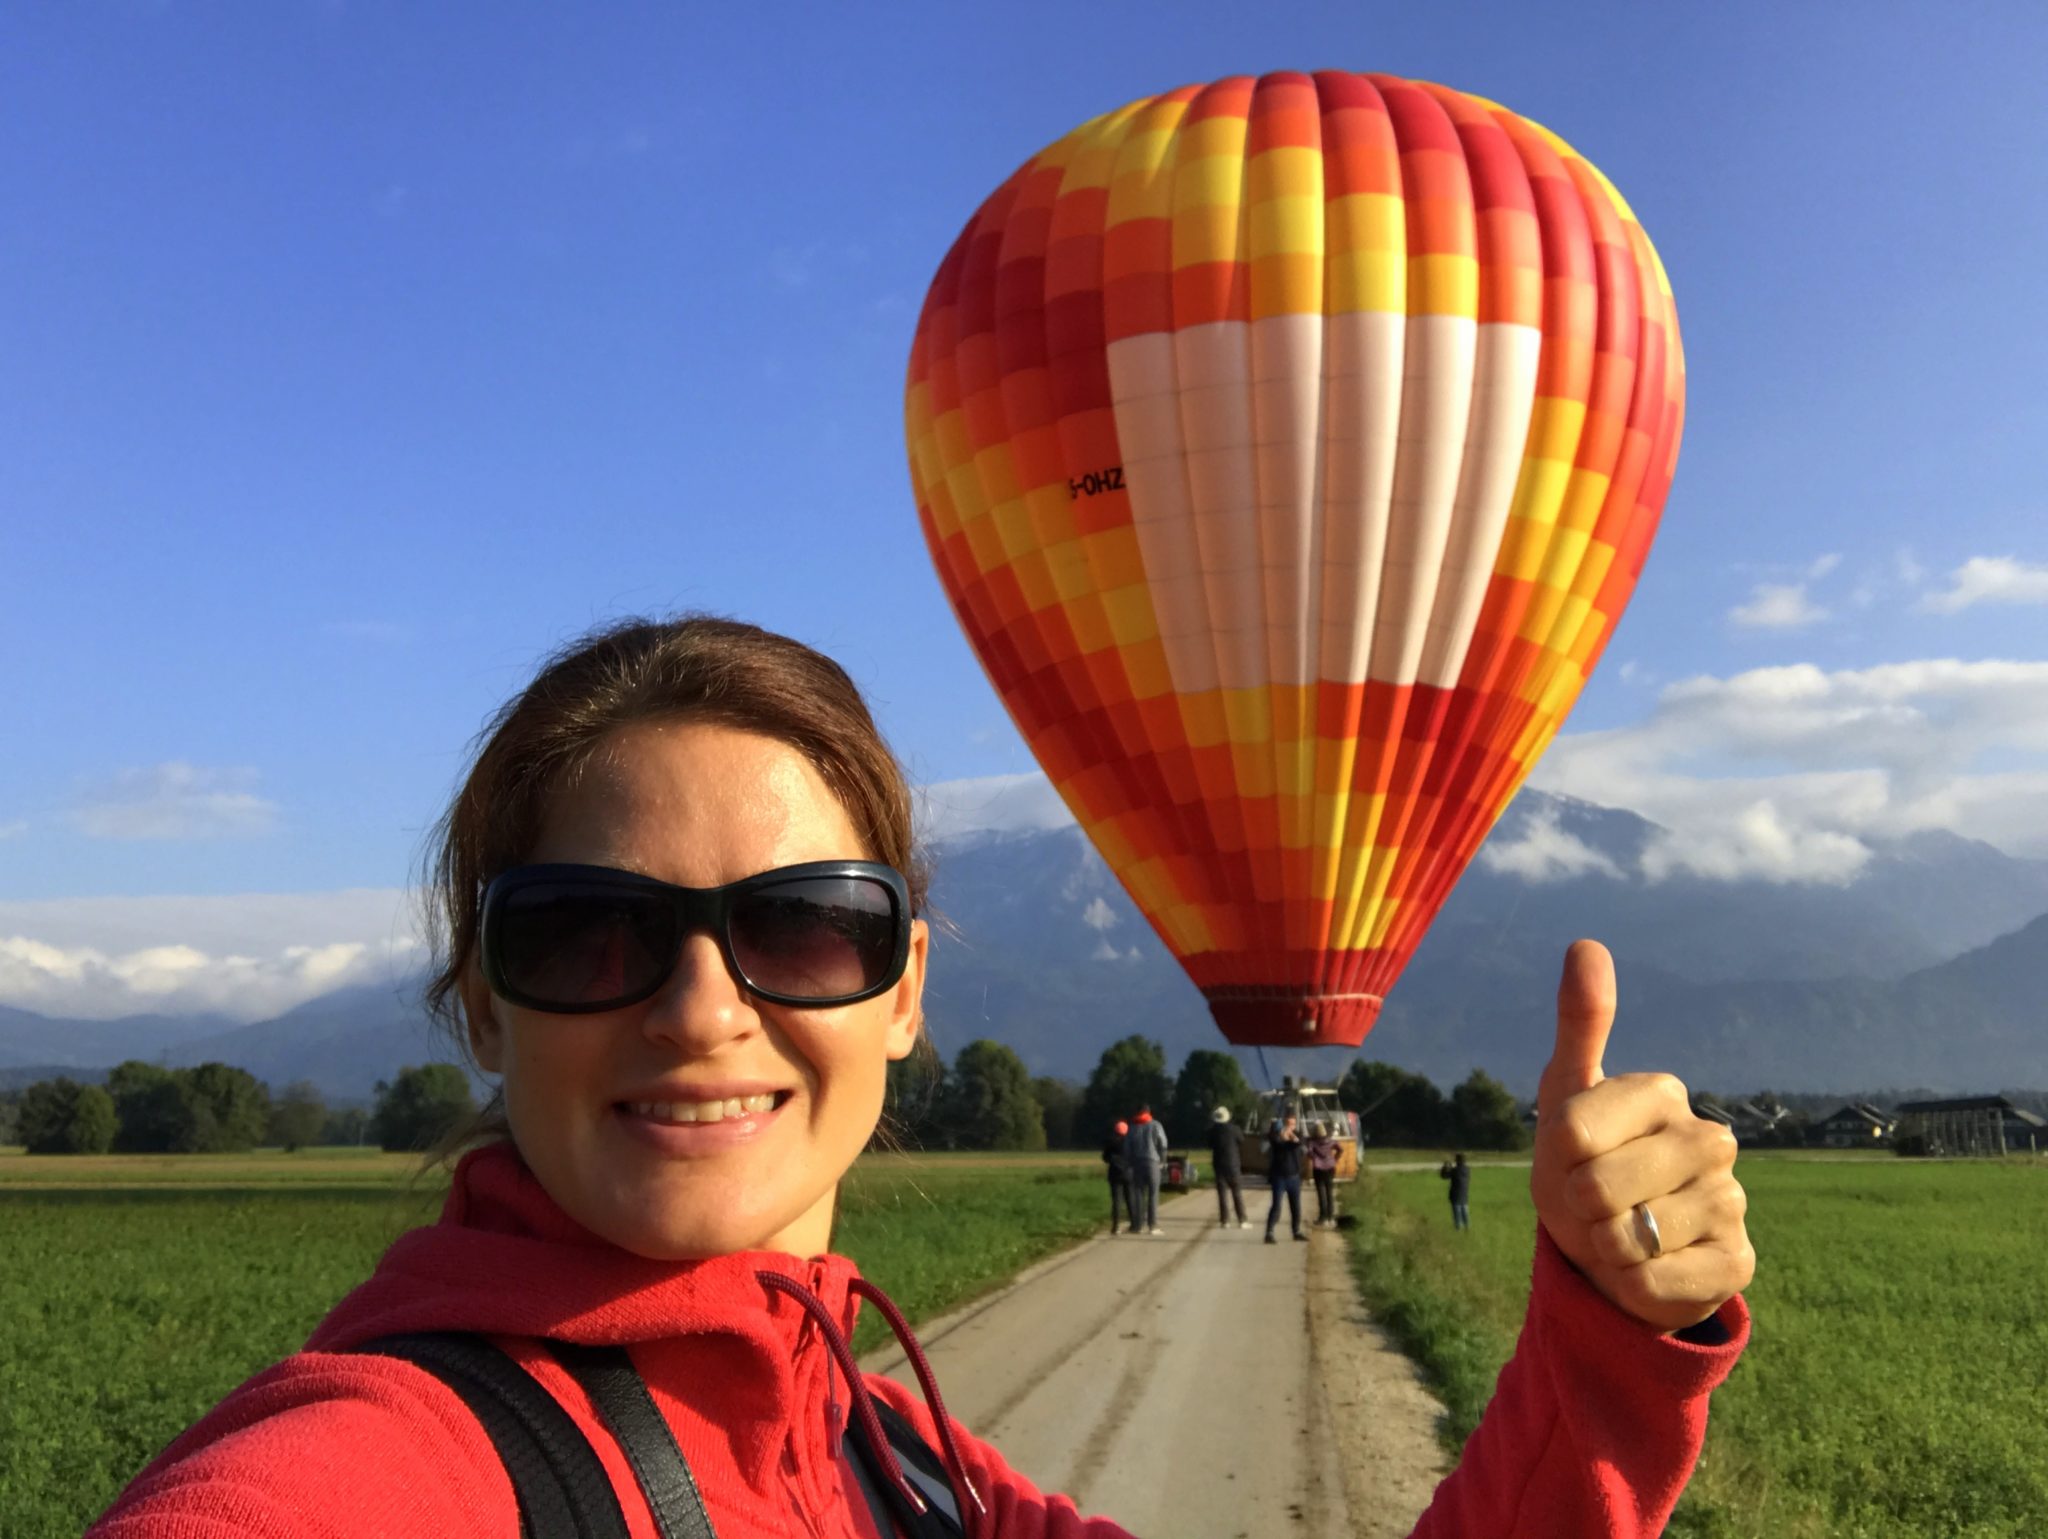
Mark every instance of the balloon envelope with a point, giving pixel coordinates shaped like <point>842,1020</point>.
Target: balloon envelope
<point>1288,449</point>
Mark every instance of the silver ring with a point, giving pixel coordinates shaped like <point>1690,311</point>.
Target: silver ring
<point>1646,1225</point>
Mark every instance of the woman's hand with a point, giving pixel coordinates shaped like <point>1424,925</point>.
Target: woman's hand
<point>1606,1148</point>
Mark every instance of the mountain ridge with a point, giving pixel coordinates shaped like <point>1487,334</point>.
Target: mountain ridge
<point>1926,968</point>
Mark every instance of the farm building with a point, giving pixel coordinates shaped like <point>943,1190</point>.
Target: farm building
<point>1976,1124</point>
<point>1858,1125</point>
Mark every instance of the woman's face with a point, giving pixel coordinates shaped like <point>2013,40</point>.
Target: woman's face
<point>697,805</point>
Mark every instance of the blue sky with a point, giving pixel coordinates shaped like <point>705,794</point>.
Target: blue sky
<point>352,356</point>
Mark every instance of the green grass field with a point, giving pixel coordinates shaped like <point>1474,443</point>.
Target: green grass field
<point>1893,1385</point>
<point>138,1290</point>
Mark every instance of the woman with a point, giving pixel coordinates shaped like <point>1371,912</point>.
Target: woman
<point>1119,1174</point>
<point>1322,1164</point>
<point>678,914</point>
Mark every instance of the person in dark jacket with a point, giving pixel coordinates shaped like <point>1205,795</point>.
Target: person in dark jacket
<point>1283,1172</point>
<point>1119,1174</point>
<point>1459,1174</point>
<point>1322,1153</point>
<point>1229,1168</point>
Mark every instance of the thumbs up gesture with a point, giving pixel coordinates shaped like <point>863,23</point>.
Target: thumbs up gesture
<point>1638,1192</point>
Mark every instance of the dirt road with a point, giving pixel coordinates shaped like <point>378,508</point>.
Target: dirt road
<point>1167,1382</point>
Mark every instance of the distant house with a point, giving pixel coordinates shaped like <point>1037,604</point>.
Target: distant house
<point>1712,1111</point>
<point>1973,1124</point>
<point>1752,1122</point>
<point>1857,1125</point>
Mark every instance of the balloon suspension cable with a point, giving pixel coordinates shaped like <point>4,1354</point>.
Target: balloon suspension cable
<point>1268,1073</point>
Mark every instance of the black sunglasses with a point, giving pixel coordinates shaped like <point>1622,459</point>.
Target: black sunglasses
<point>575,940</point>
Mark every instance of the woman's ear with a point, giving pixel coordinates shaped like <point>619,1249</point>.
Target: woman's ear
<point>906,1013</point>
<point>480,1009</point>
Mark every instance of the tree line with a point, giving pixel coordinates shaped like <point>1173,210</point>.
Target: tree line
<point>988,1099</point>
<point>215,1108</point>
<point>985,1099</point>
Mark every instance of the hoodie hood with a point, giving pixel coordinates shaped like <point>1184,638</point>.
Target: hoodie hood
<point>504,1260</point>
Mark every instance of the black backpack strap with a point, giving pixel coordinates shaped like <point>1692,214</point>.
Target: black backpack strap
<point>615,1387</point>
<point>925,1469</point>
<point>562,1488</point>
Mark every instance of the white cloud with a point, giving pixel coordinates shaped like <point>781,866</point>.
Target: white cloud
<point>246,957</point>
<point>15,829</point>
<point>1989,580</point>
<point>175,800</point>
<point>1777,606</point>
<point>1755,841</point>
<point>1098,915</point>
<point>952,810</point>
<point>1546,853</point>
<point>1822,565</point>
<point>1783,773</point>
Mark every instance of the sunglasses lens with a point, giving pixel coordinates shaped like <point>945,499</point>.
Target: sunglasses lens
<point>571,943</point>
<point>815,937</point>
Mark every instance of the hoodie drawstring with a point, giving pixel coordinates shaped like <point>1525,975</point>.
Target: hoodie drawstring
<point>864,1400</point>
<point>929,1383</point>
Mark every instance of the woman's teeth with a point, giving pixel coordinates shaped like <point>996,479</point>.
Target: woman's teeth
<point>702,1111</point>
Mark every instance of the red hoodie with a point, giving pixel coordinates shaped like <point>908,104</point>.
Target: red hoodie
<point>1592,1431</point>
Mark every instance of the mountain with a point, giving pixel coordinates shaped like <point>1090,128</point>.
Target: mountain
<point>27,1038</point>
<point>1916,902</point>
<point>1732,984</point>
<point>344,1042</point>
<point>1930,967</point>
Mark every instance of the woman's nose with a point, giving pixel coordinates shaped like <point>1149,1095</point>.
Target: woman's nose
<point>701,1005</point>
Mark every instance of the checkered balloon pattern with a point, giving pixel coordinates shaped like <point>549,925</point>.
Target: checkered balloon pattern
<point>1288,448</point>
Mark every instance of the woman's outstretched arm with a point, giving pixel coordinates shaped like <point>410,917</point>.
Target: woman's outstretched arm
<point>1634,1308</point>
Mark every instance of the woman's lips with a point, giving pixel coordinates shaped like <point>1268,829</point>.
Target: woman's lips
<point>700,1127</point>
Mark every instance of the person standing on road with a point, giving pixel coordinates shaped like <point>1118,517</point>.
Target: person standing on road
<point>1459,1174</point>
<point>1223,1155</point>
<point>1144,1148</point>
<point>1322,1164</point>
<point>1283,1171</point>
<point>1119,1179</point>
<point>680,912</point>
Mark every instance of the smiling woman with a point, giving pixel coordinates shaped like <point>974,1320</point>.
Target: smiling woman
<point>678,912</point>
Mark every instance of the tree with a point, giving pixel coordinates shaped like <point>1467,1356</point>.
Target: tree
<point>350,1125</point>
<point>1484,1115</point>
<point>1396,1109</point>
<point>1130,1074</point>
<point>45,1117</point>
<point>93,1123</point>
<point>911,1100</point>
<point>236,1107</point>
<point>61,1116</point>
<point>1207,1080</point>
<point>298,1116</point>
<point>988,1102</point>
<point>154,1116</point>
<point>1059,1104</point>
<point>425,1104</point>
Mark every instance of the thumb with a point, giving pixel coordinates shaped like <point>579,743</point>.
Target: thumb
<point>1585,1016</point>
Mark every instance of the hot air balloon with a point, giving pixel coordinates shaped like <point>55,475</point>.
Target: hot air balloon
<point>1288,449</point>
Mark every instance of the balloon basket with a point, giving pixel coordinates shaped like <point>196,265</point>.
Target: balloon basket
<point>1295,1020</point>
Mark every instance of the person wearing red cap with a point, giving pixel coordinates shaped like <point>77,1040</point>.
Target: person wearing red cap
<point>1144,1148</point>
<point>1119,1172</point>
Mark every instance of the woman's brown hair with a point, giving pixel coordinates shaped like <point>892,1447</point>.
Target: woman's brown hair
<point>695,668</point>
